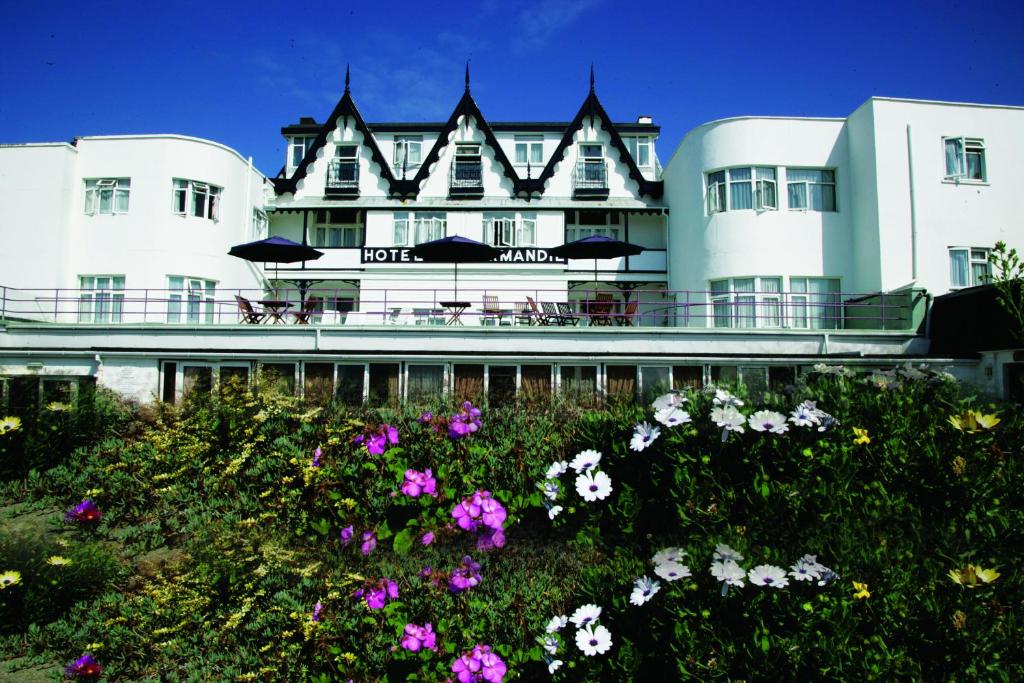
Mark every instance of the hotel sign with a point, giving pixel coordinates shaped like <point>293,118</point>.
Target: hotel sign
<point>508,255</point>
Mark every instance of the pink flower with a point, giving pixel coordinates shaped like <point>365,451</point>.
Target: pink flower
<point>346,535</point>
<point>427,538</point>
<point>417,483</point>
<point>417,637</point>
<point>369,542</point>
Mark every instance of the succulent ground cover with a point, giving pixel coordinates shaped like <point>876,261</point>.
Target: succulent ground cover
<point>849,527</point>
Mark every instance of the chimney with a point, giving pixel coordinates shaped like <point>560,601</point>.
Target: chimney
<point>645,119</point>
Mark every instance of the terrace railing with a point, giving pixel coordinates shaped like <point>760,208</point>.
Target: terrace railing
<point>640,308</point>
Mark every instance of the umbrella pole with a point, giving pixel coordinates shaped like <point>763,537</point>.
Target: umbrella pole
<point>456,297</point>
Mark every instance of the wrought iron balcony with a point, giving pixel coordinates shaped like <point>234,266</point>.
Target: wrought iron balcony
<point>466,179</point>
<point>590,180</point>
<point>342,178</point>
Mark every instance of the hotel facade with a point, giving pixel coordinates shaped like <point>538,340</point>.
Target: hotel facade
<point>769,245</point>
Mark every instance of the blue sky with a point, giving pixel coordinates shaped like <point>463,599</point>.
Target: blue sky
<point>236,73</point>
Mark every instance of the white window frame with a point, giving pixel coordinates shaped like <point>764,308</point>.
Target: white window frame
<point>113,190</point>
<point>260,224</point>
<point>510,229</point>
<point>636,143</point>
<point>766,302</point>
<point>299,145</point>
<point>584,156</point>
<point>416,227</point>
<point>101,298</point>
<point>805,300</point>
<point>611,228</point>
<point>720,195</point>
<point>975,256</point>
<point>966,146</point>
<point>532,148</point>
<point>199,296</point>
<point>186,194</point>
<point>328,234</point>
<point>807,189</point>
<point>445,378</point>
<point>404,145</point>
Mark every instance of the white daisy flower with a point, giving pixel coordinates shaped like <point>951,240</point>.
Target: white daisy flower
<point>549,643</point>
<point>672,571</point>
<point>585,460</point>
<point>768,421</point>
<point>593,640</point>
<point>729,573</point>
<point>644,589</point>
<point>724,398</point>
<point>557,623</point>
<point>593,486</point>
<point>553,511</point>
<point>670,417</point>
<point>673,399</point>
<point>556,469</point>
<point>585,615</point>
<point>644,435</point>
<point>671,554</point>
<point>768,575</point>
<point>812,562</point>
<point>725,553</point>
<point>554,665</point>
<point>550,490</point>
<point>728,418</point>
<point>801,571</point>
<point>827,577</point>
<point>805,415</point>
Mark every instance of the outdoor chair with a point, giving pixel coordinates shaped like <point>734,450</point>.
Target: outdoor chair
<point>522,314</point>
<point>249,314</point>
<point>600,311</point>
<point>541,318</point>
<point>310,308</point>
<point>491,310</point>
<point>567,315</point>
<point>628,316</point>
<point>551,314</point>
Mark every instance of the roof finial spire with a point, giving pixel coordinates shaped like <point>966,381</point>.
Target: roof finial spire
<point>347,78</point>
<point>591,77</point>
<point>467,75</point>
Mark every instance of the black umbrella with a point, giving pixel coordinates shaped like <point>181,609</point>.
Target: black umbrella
<point>455,249</point>
<point>278,250</point>
<point>595,247</point>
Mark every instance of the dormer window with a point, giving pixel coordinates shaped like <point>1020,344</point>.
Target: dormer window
<point>639,147</point>
<point>466,177</point>
<point>299,146</point>
<point>343,171</point>
<point>408,151</point>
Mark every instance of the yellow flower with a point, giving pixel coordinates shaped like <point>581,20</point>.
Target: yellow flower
<point>860,590</point>
<point>9,578</point>
<point>10,424</point>
<point>972,576</point>
<point>861,435</point>
<point>57,407</point>
<point>58,561</point>
<point>973,421</point>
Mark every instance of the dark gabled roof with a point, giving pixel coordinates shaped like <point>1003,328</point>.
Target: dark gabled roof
<point>592,107</point>
<point>346,107</point>
<point>308,127</point>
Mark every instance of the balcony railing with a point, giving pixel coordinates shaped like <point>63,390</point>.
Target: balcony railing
<point>778,312</point>
<point>590,180</point>
<point>466,179</point>
<point>342,178</point>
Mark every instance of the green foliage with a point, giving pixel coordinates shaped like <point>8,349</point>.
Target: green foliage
<point>226,485</point>
<point>1008,277</point>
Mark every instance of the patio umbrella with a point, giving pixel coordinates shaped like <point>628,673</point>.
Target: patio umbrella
<point>455,249</point>
<point>278,250</point>
<point>596,247</point>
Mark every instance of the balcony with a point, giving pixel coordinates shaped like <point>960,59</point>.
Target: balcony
<point>590,180</point>
<point>342,179</point>
<point>466,180</point>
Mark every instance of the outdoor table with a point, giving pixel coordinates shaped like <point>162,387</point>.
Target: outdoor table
<point>599,313</point>
<point>275,310</point>
<point>455,309</point>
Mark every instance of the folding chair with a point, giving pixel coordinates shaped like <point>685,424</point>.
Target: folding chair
<point>567,315</point>
<point>249,314</point>
<point>491,310</point>
<point>541,318</point>
<point>523,315</point>
<point>628,315</point>
<point>310,308</point>
<point>551,313</point>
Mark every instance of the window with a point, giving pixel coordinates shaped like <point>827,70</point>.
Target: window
<point>197,295</point>
<point>747,302</point>
<point>965,158</point>
<point>107,195</point>
<point>815,302</point>
<point>101,299</point>
<point>194,198</point>
<point>343,171</point>
<point>811,189</point>
<point>748,187</point>
<point>968,267</point>
<point>337,228</point>
<point>299,146</point>
<point>640,148</point>
<point>260,224</point>
<point>591,152</point>
<point>407,151</point>
<point>510,229</point>
<point>424,382</point>
<point>529,149</point>
<point>419,227</point>
<point>580,224</point>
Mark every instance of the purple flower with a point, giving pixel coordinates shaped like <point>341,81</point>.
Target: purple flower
<point>318,609</point>
<point>425,572</point>
<point>479,664</point>
<point>85,512</point>
<point>465,576</point>
<point>378,593</point>
<point>467,666</point>
<point>369,542</point>
<point>479,508</point>
<point>316,457</point>
<point>464,422</point>
<point>493,668</point>
<point>493,513</point>
<point>377,440</point>
<point>392,588</point>
<point>489,539</point>
<point>85,666</point>
<point>346,535</point>
<point>417,483</point>
<point>427,538</point>
<point>425,417</point>
<point>418,637</point>
<point>392,434</point>
<point>375,598</point>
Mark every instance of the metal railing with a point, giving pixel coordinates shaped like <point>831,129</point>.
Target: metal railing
<point>497,307</point>
<point>590,176</point>
<point>342,174</point>
<point>466,176</point>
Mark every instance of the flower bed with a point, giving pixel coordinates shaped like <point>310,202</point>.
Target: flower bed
<point>854,528</point>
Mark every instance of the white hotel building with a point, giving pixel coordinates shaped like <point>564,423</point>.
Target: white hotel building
<point>770,244</point>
